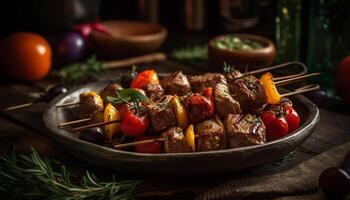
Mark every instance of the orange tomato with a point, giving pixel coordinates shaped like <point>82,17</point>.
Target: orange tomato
<point>26,56</point>
<point>144,78</point>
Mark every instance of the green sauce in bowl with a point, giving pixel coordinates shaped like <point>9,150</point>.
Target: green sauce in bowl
<point>231,42</point>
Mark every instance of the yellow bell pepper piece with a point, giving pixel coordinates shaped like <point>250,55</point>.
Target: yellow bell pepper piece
<point>271,92</point>
<point>180,112</point>
<point>111,114</point>
<point>190,137</point>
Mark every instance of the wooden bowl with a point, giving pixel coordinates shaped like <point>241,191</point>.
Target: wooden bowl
<point>128,38</point>
<point>253,59</point>
<point>175,163</point>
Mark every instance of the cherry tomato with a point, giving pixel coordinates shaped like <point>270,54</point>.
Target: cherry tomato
<point>292,118</point>
<point>342,80</point>
<point>154,147</point>
<point>276,127</point>
<point>132,124</point>
<point>144,78</point>
<point>209,93</point>
<point>198,108</point>
<point>26,56</point>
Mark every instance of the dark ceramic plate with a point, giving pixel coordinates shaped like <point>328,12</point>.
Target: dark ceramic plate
<point>194,163</point>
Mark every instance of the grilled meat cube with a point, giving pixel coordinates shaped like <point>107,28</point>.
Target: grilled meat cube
<point>110,90</point>
<point>211,136</point>
<point>232,76</point>
<point>89,104</point>
<point>175,141</point>
<point>161,114</point>
<point>224,102</point>
<point>244,130</point>
<point>176,83</point>
<point>154,91</point>
<point>249,92</point>
<point>200,82</point>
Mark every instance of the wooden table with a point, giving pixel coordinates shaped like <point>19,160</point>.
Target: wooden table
<point>25,129</point>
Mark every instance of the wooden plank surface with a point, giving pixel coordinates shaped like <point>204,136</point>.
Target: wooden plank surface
<point>25,128</point>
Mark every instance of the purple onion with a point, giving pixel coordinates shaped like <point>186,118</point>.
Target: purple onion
<point>71,47</point>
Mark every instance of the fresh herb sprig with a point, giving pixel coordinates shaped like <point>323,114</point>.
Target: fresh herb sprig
<point>197,52</point>
<point>227,68</point>
<point>31,177</point>
<point>74,73</point>
<point>129,96</point>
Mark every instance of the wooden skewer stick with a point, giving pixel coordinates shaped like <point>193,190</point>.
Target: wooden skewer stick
<point>280,66</point>
<point>294,79</point>
<point>74,122</point>
<point>19,106</point>
<point>304,89</point>
<point>67,104</point>
<point>94,125</point>
<point>130,144</point>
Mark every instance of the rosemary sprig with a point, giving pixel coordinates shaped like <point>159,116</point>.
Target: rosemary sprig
<point>31,177</point>
<point>197,52</point>
<point>284,159</point>
<point>227,68</point>
<point>131,97</point>
<point>76,72</point>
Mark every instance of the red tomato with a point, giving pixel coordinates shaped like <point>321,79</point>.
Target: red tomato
<point>209,93</point>
<point>132,124</point>
<point>342,79</point>
<point>154,147</point>
<point>144,78</point>
<point>276,127</point>
<point>198,108</point>
<point>26,56</point>
<point>292,118</point>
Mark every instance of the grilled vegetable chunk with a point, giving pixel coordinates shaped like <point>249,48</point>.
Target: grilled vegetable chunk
<point>176,83</point>
<point>224,102</point>
<point>200,82</point>
<point>249,93</point>
<point>175,141</point>
<point>154,91</point>
<point>244,130</point>
<point>110,90</point>
<point>211,136</point>
<point>198,108</point>
<point>161,114</point>
<point>90,103</point>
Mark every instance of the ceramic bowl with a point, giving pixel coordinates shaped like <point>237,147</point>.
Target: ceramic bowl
<point>128,38</point>
<point>253,59</point>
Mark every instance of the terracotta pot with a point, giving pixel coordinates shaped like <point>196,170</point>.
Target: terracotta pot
<point>253,59</point>
<point>128,38</point>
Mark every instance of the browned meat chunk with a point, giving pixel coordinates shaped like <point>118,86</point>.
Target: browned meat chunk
<point>89,104</point>
<point>211,136</point>
<point>161,114</point>
<point>200,82</point>
<point>224,102</point>
<point>244,130</point>
<point>110,90</point>
<point>176,83</point>
<point>232,76</point>
<point>175,141</point>
<point>154,91</point>
<point>249,92</point>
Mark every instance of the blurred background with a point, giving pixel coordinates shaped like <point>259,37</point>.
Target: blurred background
<point>314,32</point>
